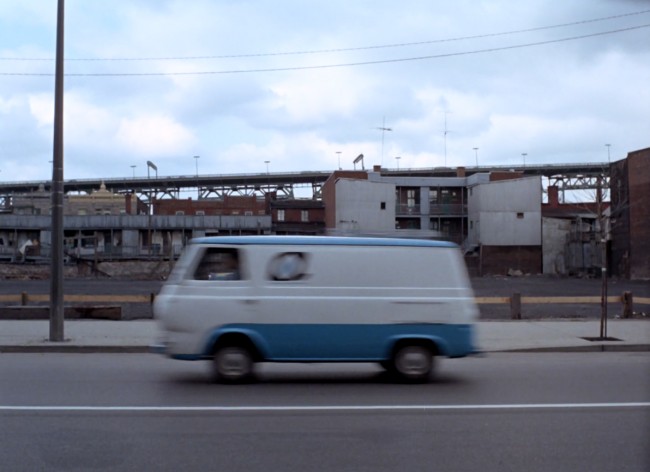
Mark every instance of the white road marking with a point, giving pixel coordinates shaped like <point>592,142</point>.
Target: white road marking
<point>516,406</point>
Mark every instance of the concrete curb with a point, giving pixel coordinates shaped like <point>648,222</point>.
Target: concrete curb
<point>594,348</point>
<point>76,349</point>
<point>72,349</point>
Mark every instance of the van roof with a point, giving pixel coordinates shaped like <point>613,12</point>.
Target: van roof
<point>320,241</point>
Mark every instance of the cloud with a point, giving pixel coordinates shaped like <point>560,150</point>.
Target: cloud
<point>154,135</point>
<point>558,102</point>
<point>41,106</point>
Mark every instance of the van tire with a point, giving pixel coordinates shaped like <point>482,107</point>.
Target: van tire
<point>233,364</point>
<point>412,362</point>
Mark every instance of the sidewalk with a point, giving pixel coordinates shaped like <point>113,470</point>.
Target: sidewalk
<point>493,336</point>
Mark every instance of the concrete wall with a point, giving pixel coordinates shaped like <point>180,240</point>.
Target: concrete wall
<point>554,237</point>
<point>506,213</point>
<point>359,206</point>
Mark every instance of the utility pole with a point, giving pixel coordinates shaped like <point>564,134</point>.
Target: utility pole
<point>56,278</point>
<point>603,262</point>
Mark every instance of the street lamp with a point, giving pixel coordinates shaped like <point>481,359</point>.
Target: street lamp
<point>608,157</point>
<point>524,154</point>
<point>196,160</point>
<point>339,156</point>
<point>133,167</point>
<point>267,166</point>
<point>151,165</point>
<point>397,158</point>
<point>476,154</point>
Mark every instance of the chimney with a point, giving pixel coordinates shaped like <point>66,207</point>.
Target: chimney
<point>460,172</point>
<point>553,196</point>
<point>127,203</point>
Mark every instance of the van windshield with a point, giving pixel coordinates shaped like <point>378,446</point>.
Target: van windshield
<point>218,264</point>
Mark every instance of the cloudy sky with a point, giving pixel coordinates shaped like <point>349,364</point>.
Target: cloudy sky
<point>304,84</point>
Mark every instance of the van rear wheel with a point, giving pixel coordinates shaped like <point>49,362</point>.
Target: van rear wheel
<point>413,363</point>
<point>233,364</point>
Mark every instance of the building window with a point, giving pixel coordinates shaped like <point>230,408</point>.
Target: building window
<point>382,206</point>
<point>180,212</point>
<point>304,216</point>
<point>520,216</point>
<point>200,213</point>
<point>410,198</point>
<point>248,213</point>
<point>280,215</point>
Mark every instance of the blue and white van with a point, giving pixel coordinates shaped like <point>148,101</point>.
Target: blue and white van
<point>238,300</point>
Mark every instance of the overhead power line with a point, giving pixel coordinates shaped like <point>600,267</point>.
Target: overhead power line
<point>336,50</point>
<point>331,66</point>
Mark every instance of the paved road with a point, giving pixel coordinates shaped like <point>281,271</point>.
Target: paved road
<point>502,412</point>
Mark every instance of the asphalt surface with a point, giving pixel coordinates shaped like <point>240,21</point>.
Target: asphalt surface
<point>506,412</point>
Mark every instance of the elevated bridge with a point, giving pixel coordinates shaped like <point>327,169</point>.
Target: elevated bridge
<point>284,184</point>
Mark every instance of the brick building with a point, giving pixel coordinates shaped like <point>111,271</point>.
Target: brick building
<point>228,205</point>
<point>98,202</point>
<point>298,216</point>
<point>630,216</point>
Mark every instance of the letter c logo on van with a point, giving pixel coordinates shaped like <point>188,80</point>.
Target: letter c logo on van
<point>288,266</point>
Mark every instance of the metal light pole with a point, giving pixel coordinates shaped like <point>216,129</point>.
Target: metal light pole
<point>339,156</point>
<point>133,168</point>
<point>57,311</point>
<point>476,155</point>
<point>608,156</point>
<point>196,160</point>
<point>267,166</point>
<point>524,154</point>
<point>397,158</point>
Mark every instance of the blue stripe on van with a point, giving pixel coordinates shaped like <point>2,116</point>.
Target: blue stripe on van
<point>320,241</point>
<point>345,342</point>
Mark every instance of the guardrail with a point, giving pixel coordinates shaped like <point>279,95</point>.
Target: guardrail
<point>515,301</point>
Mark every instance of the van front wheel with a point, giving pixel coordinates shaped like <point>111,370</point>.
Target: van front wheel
<point>233,364</point>
<point>413,363</point>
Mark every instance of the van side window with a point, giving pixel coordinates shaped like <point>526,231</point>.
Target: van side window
<point>288,266</point>
<point>218,264</point>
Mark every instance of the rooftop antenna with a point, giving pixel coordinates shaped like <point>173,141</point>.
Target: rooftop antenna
<point>445,135</point>
<point>383,130</point>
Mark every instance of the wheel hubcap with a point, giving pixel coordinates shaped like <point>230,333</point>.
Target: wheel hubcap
<point>413,361</point>
<point>233,363</point>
